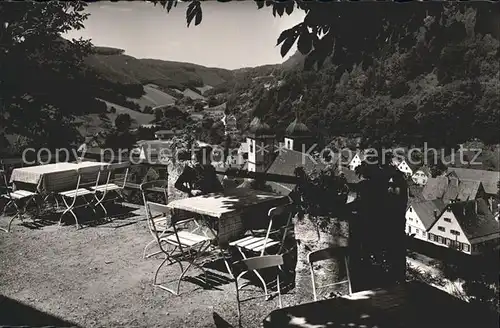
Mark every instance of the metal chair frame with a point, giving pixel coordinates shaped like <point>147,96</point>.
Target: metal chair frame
<point>28,197</point>
<point>145,187</point>
<point>263,243</point>
<point>79,192</point>
<point>326,254</point>
<point>257,263</point>
<point>101,190</point>
<point>189,245</point>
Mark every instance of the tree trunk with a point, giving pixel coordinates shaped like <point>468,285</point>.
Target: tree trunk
<point>310,238</point>
<point>173,173</point>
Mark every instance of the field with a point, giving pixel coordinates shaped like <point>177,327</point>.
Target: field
<point>154,97</point>
<point>96,277</point>
<point>93,123</point>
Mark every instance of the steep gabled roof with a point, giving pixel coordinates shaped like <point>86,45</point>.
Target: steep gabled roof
<point>350,175</point>
<point>489,179</point>
<point>475,224</point>
<point>452,189</point>
<point>285,164</point>
<point>468,189</point>
<point>435,188</point>
<point>427,211</point>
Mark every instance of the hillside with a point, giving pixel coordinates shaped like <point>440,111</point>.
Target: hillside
<point>94,123</point>
<point>153,97</point>
<point>114,65</point>
<point>441,89</point>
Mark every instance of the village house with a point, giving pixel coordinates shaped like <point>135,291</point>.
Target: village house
<point>421,215</point>
<point>489,180</point>
<point>421,175</point>
<point>238,157</point>
<point>400,162</point>
<point>230,127</point>
<point>469,227</point>
<point>449,187</point>
<point>285,163</point>
<point>154,151</point>
<point>356,160</point>
<point>165,134</point>
<point>403,165</point>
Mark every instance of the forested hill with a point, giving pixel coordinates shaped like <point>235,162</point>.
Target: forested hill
<point>114,65</point>
<point>443,89</point>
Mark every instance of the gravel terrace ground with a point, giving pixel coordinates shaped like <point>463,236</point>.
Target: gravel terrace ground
<point>96,277</point>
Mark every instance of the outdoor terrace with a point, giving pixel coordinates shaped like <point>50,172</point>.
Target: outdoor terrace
<point>96,276</point>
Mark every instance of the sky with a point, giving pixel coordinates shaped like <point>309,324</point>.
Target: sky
<point>232,35</point>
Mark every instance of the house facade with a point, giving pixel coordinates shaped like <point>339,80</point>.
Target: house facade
<point>356,161</point>
<point>414,225</point>
<point>468,227</point>
<point>489,181</point>
<point>403,166</point>
<point>420,217</point>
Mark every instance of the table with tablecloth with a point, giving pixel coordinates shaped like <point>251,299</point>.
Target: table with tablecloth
<point>52,177</point>
<point>226,209</point>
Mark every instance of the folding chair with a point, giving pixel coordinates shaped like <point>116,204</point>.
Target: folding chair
<point>112,185</point>
<point>190,245</point>
<point>70,197</point>
<point>13,197</point>
<point>160,219</point>
<point>254,264</point>
<point>325,254</point>
<point>258,245</point>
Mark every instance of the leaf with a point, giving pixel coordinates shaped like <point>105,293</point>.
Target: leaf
<point>191,11</point>
<point>279,8</point>
<point>199,16</point>
<point>260,4</point>
<point>289,7</point>
<point>285,35</point>
<point>287,45</point>
<point>169,5</point>
<point>304,44</point>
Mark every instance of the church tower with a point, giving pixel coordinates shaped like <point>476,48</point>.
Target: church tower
<point>298,136</point>
<point>261,145</point>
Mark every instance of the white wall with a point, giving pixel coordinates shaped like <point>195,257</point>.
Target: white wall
<point>420,178</point>
<point>260,153</point>
<point>289,143</point>
<point>403,167</point>
<point>251,150</point>
<point>355,162</point>
<point>414,225</point>
<point>448,226</point>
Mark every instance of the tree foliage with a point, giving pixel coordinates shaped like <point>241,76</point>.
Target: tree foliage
<point>440,88</point>
<point>41,79</point>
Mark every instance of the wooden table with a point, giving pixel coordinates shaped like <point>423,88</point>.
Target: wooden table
<point>227,208</point>
<point>414,304</point>
<point>50,177</point>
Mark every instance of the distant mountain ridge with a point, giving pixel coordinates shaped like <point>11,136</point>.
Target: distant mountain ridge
<point>113,64</point>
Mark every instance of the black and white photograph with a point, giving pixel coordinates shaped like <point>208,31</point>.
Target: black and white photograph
<point>210,163</point>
